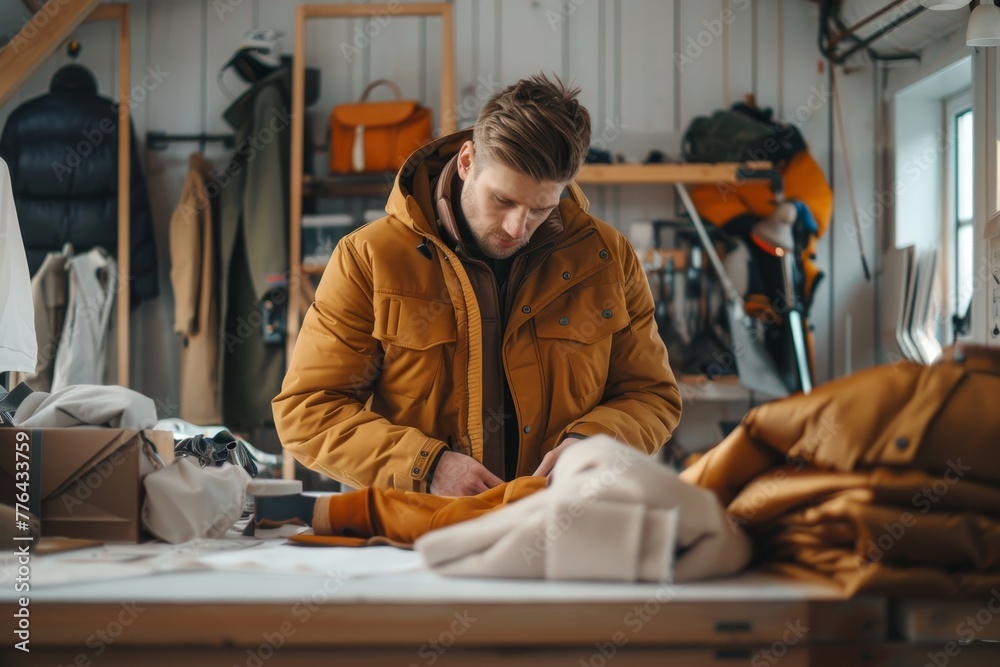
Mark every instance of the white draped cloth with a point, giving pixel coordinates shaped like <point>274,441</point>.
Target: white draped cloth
<point>18,346</point>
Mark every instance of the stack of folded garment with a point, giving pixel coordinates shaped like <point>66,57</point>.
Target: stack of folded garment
<point>886,481</point>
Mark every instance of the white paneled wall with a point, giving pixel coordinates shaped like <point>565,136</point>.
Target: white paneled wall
<point>646,67</point>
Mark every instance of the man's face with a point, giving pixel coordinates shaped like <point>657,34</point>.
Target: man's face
<point>503,207</point>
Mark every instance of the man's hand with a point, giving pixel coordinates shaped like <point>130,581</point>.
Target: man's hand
<point>460,475</point>
<point>549,460</point>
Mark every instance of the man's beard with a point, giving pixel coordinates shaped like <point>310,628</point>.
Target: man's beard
<point>491,245</point>
<point>490,242</point>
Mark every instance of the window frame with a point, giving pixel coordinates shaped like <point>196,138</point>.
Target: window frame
<point>956,106</point>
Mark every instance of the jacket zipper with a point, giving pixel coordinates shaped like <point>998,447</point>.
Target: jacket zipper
<point>444,250</point>
<point>503,357</point>
<point>446,254</point>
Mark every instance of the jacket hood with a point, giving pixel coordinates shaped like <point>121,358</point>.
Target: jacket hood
<point>412,201</point>
<point>73,79</point>
<point>241,110</point>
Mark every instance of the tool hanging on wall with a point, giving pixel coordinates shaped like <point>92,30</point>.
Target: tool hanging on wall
<point>754,364</point>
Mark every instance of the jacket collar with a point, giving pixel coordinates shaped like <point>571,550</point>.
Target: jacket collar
<point>447,215</point>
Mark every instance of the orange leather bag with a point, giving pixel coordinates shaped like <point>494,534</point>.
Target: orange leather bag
<point>377,136</point>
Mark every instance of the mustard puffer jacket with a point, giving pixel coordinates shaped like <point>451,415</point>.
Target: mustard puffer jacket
<point>387,369</point>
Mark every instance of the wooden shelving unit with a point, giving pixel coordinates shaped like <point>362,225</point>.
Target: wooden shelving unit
<point>373,185</point>
<point>16,66</point>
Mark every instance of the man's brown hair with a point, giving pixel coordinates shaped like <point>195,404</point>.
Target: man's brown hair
<point>536,127</point>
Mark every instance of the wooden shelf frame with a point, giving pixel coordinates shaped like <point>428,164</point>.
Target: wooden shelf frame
<point>447,116</point>
<point>303,13</point>
<point>122,13</point>
<point>17,66</point>
<point>348,185</point>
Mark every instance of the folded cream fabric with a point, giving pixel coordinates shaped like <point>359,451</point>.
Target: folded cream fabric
<point>610,513</point>
<point>87,405</point>
<point>185,501</point>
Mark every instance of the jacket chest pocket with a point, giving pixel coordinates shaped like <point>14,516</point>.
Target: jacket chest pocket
<point>417,337</point>
<point>574,338</point>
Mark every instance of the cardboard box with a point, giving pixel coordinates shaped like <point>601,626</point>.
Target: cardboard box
<point>81,482</point>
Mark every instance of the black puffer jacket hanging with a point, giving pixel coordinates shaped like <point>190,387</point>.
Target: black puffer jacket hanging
<point>62,150</point>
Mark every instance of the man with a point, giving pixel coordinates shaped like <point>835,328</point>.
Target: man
<point>485,324</point>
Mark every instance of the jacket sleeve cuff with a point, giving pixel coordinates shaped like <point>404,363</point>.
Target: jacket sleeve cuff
<point>584,430</point>
<point>426,453</point>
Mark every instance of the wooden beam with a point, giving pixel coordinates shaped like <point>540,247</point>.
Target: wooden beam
<point>37,40</point>
<point>109,12</point>
<point>685,620</point>
<point>359,10</point>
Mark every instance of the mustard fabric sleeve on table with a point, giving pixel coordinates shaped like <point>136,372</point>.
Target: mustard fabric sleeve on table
<point>403,516</point>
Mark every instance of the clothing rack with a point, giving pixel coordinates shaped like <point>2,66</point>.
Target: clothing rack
<point>157,141</point>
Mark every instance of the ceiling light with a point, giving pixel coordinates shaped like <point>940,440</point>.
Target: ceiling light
<point>944,5</point>
<point>984,26</point>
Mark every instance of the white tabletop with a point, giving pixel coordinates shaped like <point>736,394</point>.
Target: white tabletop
<point>277,571</point>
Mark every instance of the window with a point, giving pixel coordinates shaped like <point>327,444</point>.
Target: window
<point>961,119</point>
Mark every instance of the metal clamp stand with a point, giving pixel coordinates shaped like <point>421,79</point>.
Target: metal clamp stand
<point>754,365</point>
<point>797,327</point>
